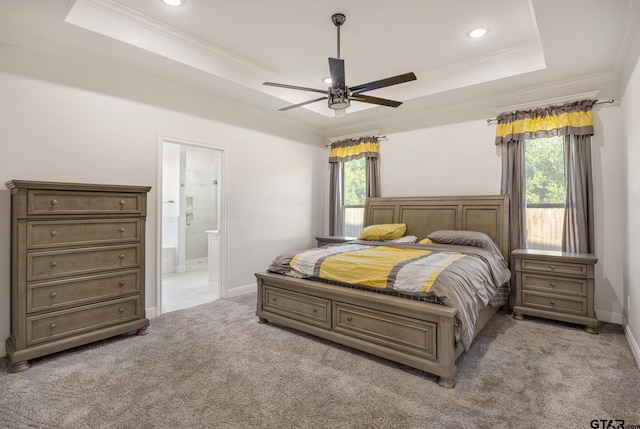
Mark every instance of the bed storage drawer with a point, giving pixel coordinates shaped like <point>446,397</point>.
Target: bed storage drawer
<point>411,336</point>
<point>306,308</point>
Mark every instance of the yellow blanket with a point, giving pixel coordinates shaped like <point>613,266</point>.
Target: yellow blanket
<point>405,269</point>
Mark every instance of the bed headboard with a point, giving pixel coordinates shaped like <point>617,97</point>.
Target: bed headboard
<point>423,215</point>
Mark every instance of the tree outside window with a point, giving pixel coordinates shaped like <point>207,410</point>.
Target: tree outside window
<point>354,196</point>
<point>545,192</point>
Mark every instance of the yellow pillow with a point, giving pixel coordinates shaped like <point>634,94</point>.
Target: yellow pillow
<point>383,231</point>
<point>427,241</point>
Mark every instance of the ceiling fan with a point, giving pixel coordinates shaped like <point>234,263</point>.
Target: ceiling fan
<point>339,94</point>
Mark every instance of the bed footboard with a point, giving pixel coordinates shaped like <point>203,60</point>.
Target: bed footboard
<point>418,334</point>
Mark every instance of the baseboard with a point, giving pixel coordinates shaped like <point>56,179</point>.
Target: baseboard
<point>633,343</point>
<point>151,312</point>
<point>3,350</point>
<point>242,290</point>
<point>609,317</point>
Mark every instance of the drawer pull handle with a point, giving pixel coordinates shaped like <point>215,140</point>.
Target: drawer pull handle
<point>53,294</point>
<point>274,299</point>
<point>552,267</point>
<point>53,264</point>
<point>53,325</point>
<point>552,284</point>
<point>121,309</point>
<point>121,229</point>
<point>315,310</point>
<point>54,202</point>
<point>552,302</point>
<point>54,233</point>
<point>123,202</point>
<point>121,256</point>
<point>349,319</point>
<point>121,283</point>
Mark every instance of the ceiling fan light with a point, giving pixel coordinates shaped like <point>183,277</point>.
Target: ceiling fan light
<point>340,113</point>
<point>327,80</point>
<point>173,2</point>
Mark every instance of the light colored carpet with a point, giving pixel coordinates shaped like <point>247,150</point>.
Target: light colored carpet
<point>214,366</point>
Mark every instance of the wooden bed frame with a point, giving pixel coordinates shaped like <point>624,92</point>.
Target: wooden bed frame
<point>418,334</point>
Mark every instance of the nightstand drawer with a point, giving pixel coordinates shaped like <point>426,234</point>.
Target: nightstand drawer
<point>544,266</point>
<point>555,303</point>
<point>554,284</point>
<point>297,306</point>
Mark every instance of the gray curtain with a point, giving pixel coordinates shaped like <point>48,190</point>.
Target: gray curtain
<point>513,184</point>
<point>578,233</point>
<point>343,151</point>
<point>335,199</point>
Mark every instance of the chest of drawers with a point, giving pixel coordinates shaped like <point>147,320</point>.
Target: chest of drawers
<point>555,285</point>
<point>77,266</point>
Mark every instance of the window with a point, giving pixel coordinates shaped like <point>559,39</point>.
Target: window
<point>354,194</point>
<point>545,192</point>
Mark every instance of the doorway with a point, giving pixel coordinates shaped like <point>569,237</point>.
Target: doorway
<point>191,225</point>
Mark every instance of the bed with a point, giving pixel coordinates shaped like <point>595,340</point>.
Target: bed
<point>422,335</point>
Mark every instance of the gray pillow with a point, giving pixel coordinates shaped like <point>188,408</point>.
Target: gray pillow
<point>465,238</point>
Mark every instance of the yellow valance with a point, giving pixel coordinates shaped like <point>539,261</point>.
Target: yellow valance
<point>574,118</point>
<point>346,150</point>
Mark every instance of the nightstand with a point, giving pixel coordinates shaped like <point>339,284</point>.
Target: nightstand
<point>555,285</point>
<point>322,241</point>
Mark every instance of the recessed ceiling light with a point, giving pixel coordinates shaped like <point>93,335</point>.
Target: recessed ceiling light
<point>173,2</point>
<point>478,32</point>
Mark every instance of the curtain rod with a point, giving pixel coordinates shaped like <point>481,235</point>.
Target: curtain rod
<point>380,138</point>
<point>611,100</point>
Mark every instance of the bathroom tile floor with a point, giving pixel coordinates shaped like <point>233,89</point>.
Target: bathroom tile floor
<point>184,290</point>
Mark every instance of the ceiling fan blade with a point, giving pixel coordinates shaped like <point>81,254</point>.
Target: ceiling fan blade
<point>302,104</point>
<point>375,100</point>
<point>336,67</point>
<point>301,88</point>
<point>383,82</point>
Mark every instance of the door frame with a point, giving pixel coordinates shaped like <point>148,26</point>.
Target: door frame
<point>222,208</point>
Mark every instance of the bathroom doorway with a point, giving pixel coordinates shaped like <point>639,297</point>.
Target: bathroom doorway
<point>191,231</point>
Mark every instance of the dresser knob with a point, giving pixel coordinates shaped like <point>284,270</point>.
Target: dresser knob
<point>121,309</point>
<point>121,283</point>
<point>349,319</point>
<point>53,325</point>
<point>273,299</point>
<point>315,310</point>
<point>54,233</point>
<point>552,267</point>
<point>53,294</point>
<point>552,284</point>
<point>121,256</point>
<point>121,229</point>
<point>122,202</point>
<point>54,263</point>
<point>54,202</point>
<point>552,302</point>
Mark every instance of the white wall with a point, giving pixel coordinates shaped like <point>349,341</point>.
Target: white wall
<point>631,217</point>
<point>461,159</point>
<point>54,130</point>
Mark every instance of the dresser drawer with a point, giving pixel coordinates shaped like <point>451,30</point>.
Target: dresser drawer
<point>412,336</point>
<point>85,203</point>
<point>561,285</point>
<point>81,290</point>
<point>82,319</point>
<point>44,234</point>
<point>305,308</point>
<point>568,268</point>
<point>555,303</point>
<point>60,263</point>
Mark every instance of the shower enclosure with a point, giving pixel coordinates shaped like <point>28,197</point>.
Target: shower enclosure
<point>190,205</point>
